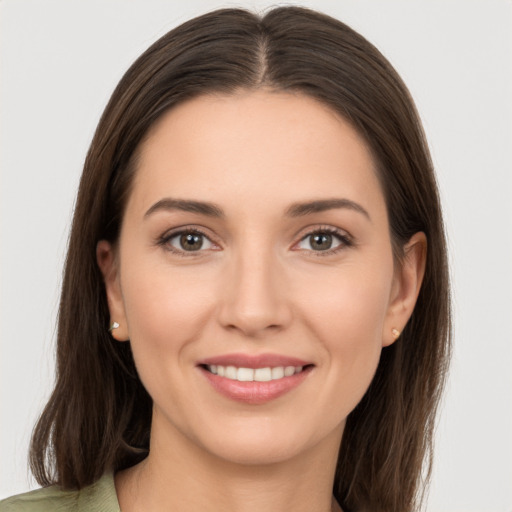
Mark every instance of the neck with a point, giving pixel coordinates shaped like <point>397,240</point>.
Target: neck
<point>178,475</point>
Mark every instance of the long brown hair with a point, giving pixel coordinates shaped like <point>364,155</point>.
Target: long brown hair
<point>99,415</point>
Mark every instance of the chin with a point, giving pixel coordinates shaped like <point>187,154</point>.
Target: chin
<point>267,444</point>
<point>256,452</point>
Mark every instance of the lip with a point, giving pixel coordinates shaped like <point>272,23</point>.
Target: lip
<point>254,360</point>
<point>254,393</point>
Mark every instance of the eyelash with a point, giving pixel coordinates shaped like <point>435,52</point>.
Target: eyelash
<point>164,240</point>
<point>344,239</point>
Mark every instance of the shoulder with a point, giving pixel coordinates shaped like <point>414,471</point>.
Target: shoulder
<point>98,497</point>
<point>48,498</point>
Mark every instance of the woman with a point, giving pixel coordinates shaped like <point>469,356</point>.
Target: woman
<point>255,308</point>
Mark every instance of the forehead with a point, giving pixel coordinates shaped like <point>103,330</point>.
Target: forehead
<point>273,146</point>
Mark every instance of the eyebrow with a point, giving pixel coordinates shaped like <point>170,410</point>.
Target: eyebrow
<point>322,205</point>
<point>295,210</point>
<point>186,205</point>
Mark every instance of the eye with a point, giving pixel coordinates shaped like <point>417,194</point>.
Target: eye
<point>323,240</point>
<point>188,241</point>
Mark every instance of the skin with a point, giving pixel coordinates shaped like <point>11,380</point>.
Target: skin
<point>257,285</point>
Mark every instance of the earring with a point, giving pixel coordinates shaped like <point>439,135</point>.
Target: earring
<point>395,332</point>
<point>113,325</point>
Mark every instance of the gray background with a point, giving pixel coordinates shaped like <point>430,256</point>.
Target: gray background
<point>60,60</point>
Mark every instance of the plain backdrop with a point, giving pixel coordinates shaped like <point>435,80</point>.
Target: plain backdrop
<point>61,59</point>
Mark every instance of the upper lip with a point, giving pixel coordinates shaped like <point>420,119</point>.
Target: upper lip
<point>253,360</point>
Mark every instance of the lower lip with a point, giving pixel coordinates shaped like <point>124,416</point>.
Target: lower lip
<point>255,393</point>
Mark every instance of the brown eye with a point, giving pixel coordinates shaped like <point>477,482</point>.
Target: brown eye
<point>189,241</point>
<point>320,241</point>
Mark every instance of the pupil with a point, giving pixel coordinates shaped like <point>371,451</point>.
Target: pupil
<point>191,241</point>
<point>321,241</point>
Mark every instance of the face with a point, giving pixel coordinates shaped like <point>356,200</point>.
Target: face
<point>254,275</point>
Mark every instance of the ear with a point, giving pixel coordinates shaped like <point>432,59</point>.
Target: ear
<point>109,266</point>
<point>406,287</point>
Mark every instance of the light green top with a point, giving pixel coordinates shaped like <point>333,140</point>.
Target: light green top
<point>98,497</point>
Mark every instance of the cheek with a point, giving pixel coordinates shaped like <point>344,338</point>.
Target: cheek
<point>351,303</point>
<point>348,319</point>
<point>166,314</point>
<point>165,310</point>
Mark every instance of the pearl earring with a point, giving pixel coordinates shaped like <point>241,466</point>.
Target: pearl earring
<point>395,332</point>
<point>113,325</point>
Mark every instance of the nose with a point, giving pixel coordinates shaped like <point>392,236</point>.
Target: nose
<point>255,297</point>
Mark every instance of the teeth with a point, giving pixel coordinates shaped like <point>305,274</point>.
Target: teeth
<point>277,373</point>
<point>257,374</point>
<point>263,374</point>
<point>245,374</point>
<point>231,373</point>
<point>289,371</point>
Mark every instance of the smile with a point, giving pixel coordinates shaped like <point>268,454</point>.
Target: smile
<point>255,379</point>
<point>253,374</point>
